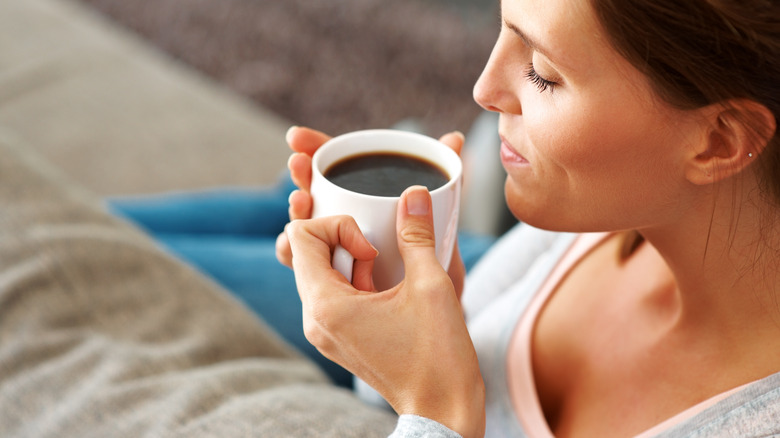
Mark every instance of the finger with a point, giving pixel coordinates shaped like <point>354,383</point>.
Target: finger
<point>363,275</point>
<point>283,252</point>
<point>300,205</point>
<point>457,271</point>
<point>454,140</point>
<point>305,140</point>
<point>416,241</point>
<point>312,242</point>
<point>300,170</point>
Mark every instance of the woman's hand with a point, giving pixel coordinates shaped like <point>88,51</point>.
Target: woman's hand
<point>410,342</point>
<point>304,142</point>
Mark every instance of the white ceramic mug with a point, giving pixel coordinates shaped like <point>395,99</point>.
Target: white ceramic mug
<point>376,215</point>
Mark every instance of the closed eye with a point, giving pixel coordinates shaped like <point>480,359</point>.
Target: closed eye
<point>541,83</point>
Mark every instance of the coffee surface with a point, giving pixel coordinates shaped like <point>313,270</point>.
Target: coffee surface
<point>385,173</point>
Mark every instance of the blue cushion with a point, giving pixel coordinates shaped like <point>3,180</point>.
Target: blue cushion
<point>229,234</point>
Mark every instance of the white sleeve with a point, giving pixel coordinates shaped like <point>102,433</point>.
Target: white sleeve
<point>413,426</point>
<point>503,265</point>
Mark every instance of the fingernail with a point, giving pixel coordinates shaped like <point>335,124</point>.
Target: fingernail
<point>460,134</point>
<point>417,201</point>
<point>288,135</point>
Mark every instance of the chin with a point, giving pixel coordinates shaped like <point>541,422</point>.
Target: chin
<point>543,213</point>
<point>524,209</point>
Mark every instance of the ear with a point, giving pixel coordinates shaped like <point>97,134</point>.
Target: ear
<point>737,132</point>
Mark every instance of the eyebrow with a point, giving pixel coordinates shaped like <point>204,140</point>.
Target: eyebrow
<point>528,41</point>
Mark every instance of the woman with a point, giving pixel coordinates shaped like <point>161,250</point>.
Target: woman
<point>642,136</point>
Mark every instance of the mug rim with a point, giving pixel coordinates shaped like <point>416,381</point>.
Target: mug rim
<point>454,167</point>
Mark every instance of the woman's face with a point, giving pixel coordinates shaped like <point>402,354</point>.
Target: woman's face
<point>585,142</point>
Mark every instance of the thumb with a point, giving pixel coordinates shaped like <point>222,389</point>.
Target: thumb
<point>416,241</point>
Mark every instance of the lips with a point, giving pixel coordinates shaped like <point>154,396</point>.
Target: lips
<point>509,155</point>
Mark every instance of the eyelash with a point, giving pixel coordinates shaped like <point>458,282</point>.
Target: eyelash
<point>541,83</point>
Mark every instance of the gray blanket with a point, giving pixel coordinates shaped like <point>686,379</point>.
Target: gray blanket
<point>102,334</point>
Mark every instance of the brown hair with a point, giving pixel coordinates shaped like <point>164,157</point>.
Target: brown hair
<point>701,52</point>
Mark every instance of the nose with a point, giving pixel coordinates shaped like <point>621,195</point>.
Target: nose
<point>494,89</point>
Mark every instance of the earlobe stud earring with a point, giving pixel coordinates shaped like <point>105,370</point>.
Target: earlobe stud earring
<point>750,154</point>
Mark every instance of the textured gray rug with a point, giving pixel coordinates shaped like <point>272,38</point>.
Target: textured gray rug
<point>336,65</point>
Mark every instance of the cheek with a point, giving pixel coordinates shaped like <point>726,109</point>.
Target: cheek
<point>597,138</point>
<point>603,163</point>
<point>565,140</point>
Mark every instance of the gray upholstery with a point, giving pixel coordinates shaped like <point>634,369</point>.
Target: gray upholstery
<point>103,334</point>
<point>120,117</point>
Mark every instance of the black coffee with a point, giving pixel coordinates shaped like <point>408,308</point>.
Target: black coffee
<point>385,173</point>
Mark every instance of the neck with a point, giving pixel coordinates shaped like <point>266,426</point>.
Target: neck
<point>724,254</point>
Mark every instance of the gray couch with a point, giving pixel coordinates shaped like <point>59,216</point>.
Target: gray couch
<point>101,333</point>
<point>120,117</point>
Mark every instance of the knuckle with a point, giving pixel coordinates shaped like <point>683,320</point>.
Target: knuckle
<point>293,228</point>
<point>418,235</point>
<point>283,253</point>
<point>320,326</point>
<point>434,288</point>
<point>315,335</point>
<point>436,283</point>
